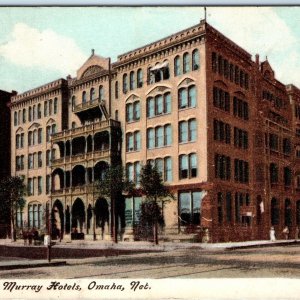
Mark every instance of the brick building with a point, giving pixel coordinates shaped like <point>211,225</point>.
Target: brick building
<point>221,129</point>
<point>4,151</point>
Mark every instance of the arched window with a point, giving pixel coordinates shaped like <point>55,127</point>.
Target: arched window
<point>34,112</point>
<point>45,109</point>
<point>177,66</point>
<point>101,92</point>
<point>131,81</point>
<point>30,114</point>
<point>39,111</point>
<point>24,115</point>
<point>139,78</point>
<point>19,117</point>
<point>116,89</point>
<point>30,138</point>
<point>73,103</point>
<point>287,212</point>
<point>15,118</point>
<point>55,106</point>
<point>125,84</point>
<point>84,97</point>
<point>186,63</point>
<point>195,60</point>
<point>274,212</point>
<point>92,94</point>
<point>50,107</point>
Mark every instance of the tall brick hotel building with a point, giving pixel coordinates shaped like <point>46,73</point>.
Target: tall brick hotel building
<point>221,129</point>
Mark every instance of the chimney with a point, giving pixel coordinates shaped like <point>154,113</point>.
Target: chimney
<point>69,77</point>
<point>257,59</point>
<point>93,52</point>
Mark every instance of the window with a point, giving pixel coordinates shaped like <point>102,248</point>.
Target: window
<point>287,212</point>
<point>159,136</point>
<point>30,114</point>
<point>84,97</point>
<point>50,107</point>
<point>237,201</point>
<point>190,208</point>
<point>55,106</point>
<point>53,154</point>
<point>34,112</point>
<point>240,109</point>
<point>168,169</point>
<point>228,207</point>
<point>133,141</point>
<point>222,167</point>
<point>133,171</point>
<point>34,137</point>
<point>39,111</point>
<point>40,185</point>
<point>116,89</point>
<point>48,133</point>
<point>125,84</point>
<point>220,207</point>
<point>273,173</point>
<point>240,138</point>
<point>30,188</point>
<point>30,161</point>
<point>40,159</point>
<point>286,146</point>
<point>241,171</point>
<point>15,118</point>
<point>40,135</point>
<point>131,81</point>
<point>195,60</point>
<point>45,109</point>
<point>298,212</point>
<point>214,62</point>
<point>222,131</point>
<point>221,99</point>
<point>187,131</point>
<point>287,173</point>
<point>187,97</point>
<point>133,111</point>
<point>273,141</point>
<point>177,66</point>
<point>159,72</point>
<point>24,115</point>
<point>48,184</point>
<point>139,78</point>
<point>22,141</point>
<point>73,102</point>
<point>18,137</point>
<point>188,166</point>
<point>35,215</point>
<point>101,92</point>
<point>92,94</point>
<point>186,63</point>
<point>48,158</point>
<point>160,104</point>
<point>30,138</point>
<point>274,212</point>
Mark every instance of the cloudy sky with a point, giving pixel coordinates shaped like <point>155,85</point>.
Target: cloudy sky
<point>38,45</point>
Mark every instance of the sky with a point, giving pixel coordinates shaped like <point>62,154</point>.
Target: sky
<point>42,44</point>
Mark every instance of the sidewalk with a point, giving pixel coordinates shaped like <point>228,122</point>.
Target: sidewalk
<point>107,248</point>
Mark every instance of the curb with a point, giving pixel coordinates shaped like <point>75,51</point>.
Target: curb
<point>274,244</point>
<point>29,265</point>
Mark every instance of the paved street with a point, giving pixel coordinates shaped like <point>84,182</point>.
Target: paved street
<point>181,263</point>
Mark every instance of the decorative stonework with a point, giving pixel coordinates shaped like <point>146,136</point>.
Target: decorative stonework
<point>91,71</point>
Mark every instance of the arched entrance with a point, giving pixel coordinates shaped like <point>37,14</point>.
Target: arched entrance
<point>101,214</point>
<point>78,217</point>
<point>57,220</point>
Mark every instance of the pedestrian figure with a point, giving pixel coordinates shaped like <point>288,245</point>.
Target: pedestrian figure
<point>297,233</point>
<point>286,232</point>
<point>272,234</point>
<point>25,236</point>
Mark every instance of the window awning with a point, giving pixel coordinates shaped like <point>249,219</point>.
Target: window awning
<point>160,66</point>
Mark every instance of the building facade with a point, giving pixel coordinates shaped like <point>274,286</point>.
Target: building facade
<point>219,127</point>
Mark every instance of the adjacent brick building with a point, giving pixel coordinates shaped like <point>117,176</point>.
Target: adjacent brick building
<point>221,129</point>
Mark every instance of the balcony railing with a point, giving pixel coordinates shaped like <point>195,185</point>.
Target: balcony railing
<point>87,105</point>
<point>85,129</point>
<point>75,190</point>
<point>81,157</point>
